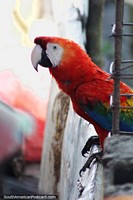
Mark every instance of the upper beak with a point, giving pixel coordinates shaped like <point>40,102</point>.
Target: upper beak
<point>36,56</point>
<point>39,56</point>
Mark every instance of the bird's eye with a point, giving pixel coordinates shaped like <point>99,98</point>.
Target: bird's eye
<point>54,47</point>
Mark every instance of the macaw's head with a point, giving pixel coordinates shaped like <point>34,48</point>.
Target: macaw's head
<point>56,53</point>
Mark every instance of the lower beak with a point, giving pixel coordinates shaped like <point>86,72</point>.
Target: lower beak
<point>45,61</point>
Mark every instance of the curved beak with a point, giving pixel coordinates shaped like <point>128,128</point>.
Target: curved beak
<point>36,56</point>
<point>39,56</point>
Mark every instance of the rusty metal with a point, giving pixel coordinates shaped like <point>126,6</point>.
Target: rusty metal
<point>117,33</point>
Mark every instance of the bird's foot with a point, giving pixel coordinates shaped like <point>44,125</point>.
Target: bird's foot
<point>95,156</point>
<point>93,140</point>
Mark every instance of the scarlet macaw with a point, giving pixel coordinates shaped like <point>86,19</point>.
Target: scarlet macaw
<point>88,86</point>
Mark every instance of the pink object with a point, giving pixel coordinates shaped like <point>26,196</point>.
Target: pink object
<point>14,94</point>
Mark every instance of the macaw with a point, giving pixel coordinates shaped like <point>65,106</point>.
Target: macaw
<point>88,86</point>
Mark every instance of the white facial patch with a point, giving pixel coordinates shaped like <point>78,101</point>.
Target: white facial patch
<point>54,53</point>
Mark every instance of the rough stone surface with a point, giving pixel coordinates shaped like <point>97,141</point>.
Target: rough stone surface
<point>118,165</point>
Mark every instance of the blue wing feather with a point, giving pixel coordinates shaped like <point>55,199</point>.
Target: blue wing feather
<point>100,114</point>
<point>103,116</point>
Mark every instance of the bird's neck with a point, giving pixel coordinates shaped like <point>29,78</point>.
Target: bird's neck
<point>68,80</point>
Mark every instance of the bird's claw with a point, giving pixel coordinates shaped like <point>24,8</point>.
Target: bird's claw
<point>96,156</point>
<point>93,140</point>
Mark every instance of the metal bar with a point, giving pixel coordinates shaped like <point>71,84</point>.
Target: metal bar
<point>126,77</point>
<point>127,34</point>
<point>127,24</point>
<point>127,61</point>
<point>126,67</point>
<point>124,34</point>
<point>126,95</point>
<point>117,65</point>
<point>111,68</point>
<point>122,77</point>
<point>113,32</point>
<point>126,132</point>
<point>113,76</point>
<point>126,107</point>
<point>124,24</point>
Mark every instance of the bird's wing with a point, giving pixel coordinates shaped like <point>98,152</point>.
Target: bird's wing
<point>94,98</point>
<point>126,114</point>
